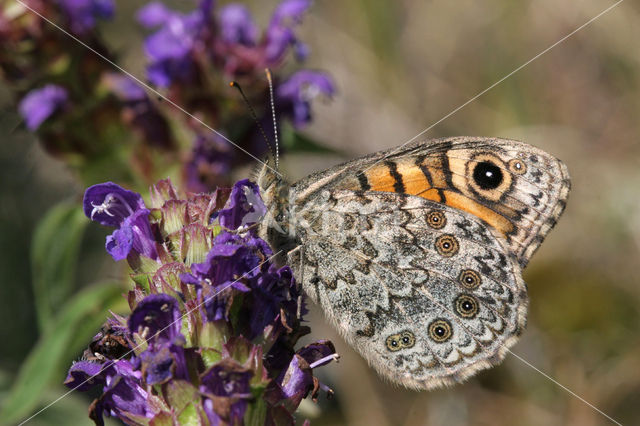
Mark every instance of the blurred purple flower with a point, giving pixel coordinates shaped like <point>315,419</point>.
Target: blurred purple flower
<point>211,157</point>
<point>40,104</point>
<point>280,35</point>
<point>82,14</point>
<point>139,111</point>
<point>237,25</point>
<point>111,205</point>
<point>169,48</point>
<point>295,94</point>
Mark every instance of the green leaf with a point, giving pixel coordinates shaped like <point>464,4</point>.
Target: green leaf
<point>46,363</point>
<point>54,257</point>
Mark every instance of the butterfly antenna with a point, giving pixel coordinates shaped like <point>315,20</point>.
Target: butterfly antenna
<point>274,152</point>
<point>273,115</point>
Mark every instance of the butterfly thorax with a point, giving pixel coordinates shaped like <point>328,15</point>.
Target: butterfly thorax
<point>277,226</point>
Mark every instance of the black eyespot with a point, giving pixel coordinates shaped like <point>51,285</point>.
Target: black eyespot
<point>440,330</point>
<point>394,343</point>
<point>487,175</point>
<point>469,279</point>
<point>466,306</point>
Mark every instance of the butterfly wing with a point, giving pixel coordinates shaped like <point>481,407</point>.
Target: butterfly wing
<point>515,188</point>
<point>426,293</point>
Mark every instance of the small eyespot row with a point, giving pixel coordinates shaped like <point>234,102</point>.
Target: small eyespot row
<point>403,340</point>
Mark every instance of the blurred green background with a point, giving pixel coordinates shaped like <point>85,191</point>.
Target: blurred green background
<point>401,66</point>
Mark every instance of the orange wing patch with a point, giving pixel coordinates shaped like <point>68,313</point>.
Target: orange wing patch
<point>428,179</point>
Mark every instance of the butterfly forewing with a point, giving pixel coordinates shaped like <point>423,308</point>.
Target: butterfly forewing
<point>518,190</point>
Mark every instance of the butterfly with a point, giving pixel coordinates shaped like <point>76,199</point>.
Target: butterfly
<point>415,254</point>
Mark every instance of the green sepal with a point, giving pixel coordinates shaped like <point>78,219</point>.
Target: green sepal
<point>142,281</point>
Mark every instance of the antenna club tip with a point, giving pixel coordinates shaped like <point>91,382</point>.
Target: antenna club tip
<point>233,84</point>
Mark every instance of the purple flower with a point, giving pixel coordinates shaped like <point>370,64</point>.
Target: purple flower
<point>294,95</point>
<point>123,396</point>
<point>82,14</point>
<point>244,207</point>
<point>237,25</point>
<point>226,386</point>
<point>111,205</point>
<point>170,47</point>
<point>297,380</point>
<point>280,35</point>
<point>157,319</point>
<point>230,258</point>
<point>40,104</point>
<point>83,375</point>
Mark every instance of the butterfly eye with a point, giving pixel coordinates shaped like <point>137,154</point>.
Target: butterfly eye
<point>447,245</point>
<point>487,175</point>
<point>470,279</point>
<point>466,306</point>
<point>436,219</point>
<point>440,330</point>
<point>517,166</point>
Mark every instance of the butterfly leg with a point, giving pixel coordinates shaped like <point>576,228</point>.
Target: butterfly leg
<point>299,282</point>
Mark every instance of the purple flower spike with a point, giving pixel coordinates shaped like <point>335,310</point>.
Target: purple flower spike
<point>40,104</point>
<point>157,318</point>
<point>295,94</point>
<point>244,207</point>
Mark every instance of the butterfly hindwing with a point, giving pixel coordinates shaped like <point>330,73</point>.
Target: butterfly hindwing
<point>428,294</point>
